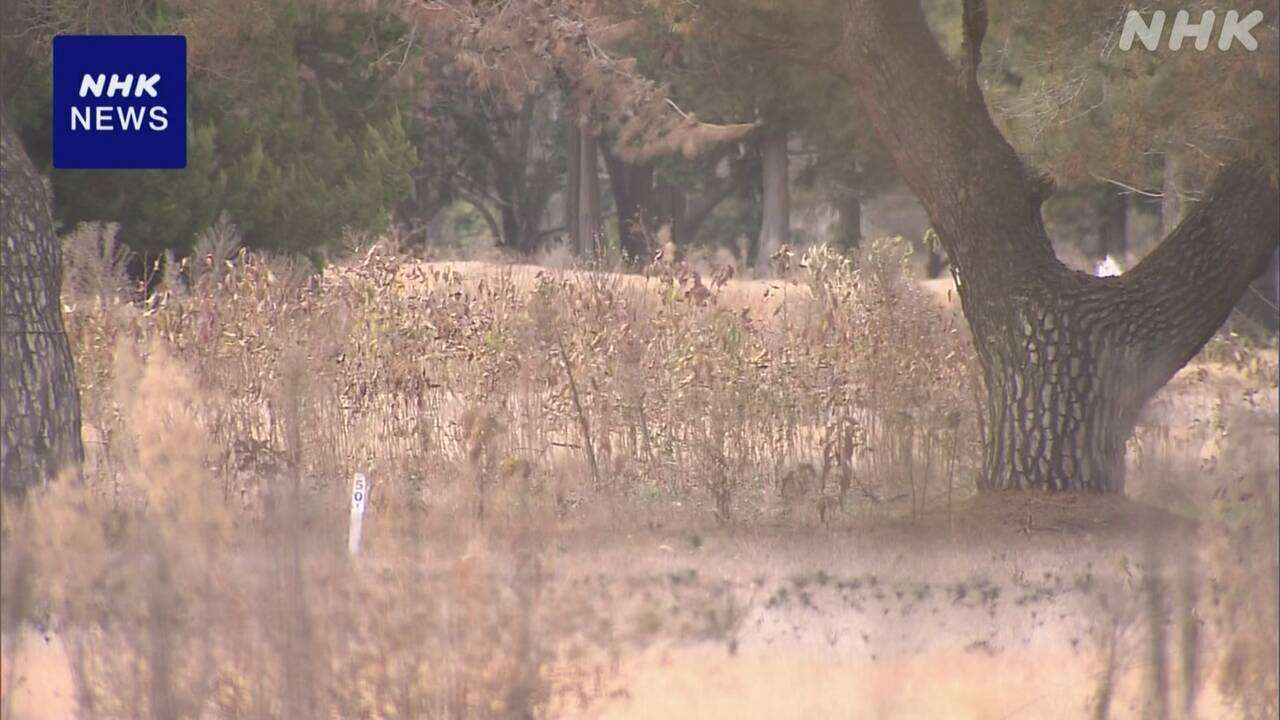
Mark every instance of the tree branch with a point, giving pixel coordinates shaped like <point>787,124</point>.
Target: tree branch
<point>943,140</point>
<point>693,219</point>
<point>478,203</point>
<point>1173,301</point>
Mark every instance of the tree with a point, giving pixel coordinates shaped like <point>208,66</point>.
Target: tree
<point>39,402</point>
<point>848,161</point>
<point>831,147</point>
<point>679,194</point>
<point>632,185</point>
<point>1068,359</point>
<point>295,127</point>
<point>503,158</point>
<point>775,221</point>
<point>1086,111</point>
<point>583,190</point>
<point>497,55</point>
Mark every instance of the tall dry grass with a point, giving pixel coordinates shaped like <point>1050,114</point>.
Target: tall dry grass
<point>503,390</point>
<point>200,569</point>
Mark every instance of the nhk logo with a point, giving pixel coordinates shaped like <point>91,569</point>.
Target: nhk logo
<point>1235,28</point>
<point>119,101</point>
<point>100,117</point>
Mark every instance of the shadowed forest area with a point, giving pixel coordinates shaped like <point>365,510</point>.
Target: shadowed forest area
<point>664,359</point>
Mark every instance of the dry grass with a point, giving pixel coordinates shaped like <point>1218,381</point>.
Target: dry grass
<point>606,496</point>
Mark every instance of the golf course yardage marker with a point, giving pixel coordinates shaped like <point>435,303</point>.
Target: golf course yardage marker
<point>359,497</point>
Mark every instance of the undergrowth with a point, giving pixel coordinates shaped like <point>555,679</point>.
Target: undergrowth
<point>200,568</point>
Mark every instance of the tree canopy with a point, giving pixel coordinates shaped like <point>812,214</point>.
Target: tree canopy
<point>314,118</point>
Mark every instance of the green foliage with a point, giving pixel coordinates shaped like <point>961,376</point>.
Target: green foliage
<point>303,143</point>
<point>725,77</point>
<point>1079,106</point>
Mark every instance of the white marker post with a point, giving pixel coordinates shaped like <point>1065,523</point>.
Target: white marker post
<point>1107,267</point>
<point>359,496</point>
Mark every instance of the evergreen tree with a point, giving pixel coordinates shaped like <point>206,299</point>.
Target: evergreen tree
<point>293,130</point>
<point>1069,360</point>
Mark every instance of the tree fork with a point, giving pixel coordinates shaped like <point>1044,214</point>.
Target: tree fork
<point>1069,366</point>
<point>1068,359</point>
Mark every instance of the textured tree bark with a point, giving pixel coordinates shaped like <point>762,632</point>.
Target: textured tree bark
<point>39,402</point>
<point>1068,359</point>
<point>775,222</point>
<point>1181,191</point>
<point>1262,302</point>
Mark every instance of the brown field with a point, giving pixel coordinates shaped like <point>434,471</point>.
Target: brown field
<point>608,496</point>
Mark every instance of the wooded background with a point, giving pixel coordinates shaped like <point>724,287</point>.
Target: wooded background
<point>527,124</point>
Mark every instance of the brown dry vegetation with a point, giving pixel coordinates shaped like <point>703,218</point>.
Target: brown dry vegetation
<point>600,495</point>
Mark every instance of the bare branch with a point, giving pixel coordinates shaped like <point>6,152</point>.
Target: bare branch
<point>1130,188</point>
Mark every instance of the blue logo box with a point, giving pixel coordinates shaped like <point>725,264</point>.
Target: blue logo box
<point>119,101</point>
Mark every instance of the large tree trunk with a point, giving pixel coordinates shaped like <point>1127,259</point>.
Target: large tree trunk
<point>508,211</point>
<point>632,185</point>
<point>670,205</point>
<point>39,403</point>
<point>775,223</point>
<point>523,180</point>
<point>573,179</point>
<point>849,222</point>
<point>584,192</point>
<point>588,224</point>
<point>1068,359</point>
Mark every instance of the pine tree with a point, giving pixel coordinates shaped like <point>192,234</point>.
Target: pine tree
<point>1068,359</point>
